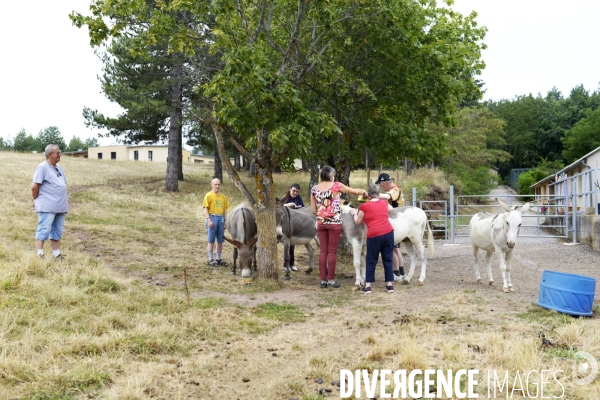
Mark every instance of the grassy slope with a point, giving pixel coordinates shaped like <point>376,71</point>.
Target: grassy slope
<point>113,319</point>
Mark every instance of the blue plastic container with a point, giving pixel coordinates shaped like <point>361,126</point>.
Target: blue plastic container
<point>567,293</point>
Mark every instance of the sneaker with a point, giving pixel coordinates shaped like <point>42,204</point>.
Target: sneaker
<point>366,290</point>
<point>334,284</point>
<point>397,278</point>
<point>222,263</point>
<point>59,257</point>
<point>213,263</point>
<point>390,289</point>
<point>323,285</point>
<point>294,268</point>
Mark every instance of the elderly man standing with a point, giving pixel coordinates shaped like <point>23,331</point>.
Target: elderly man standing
<point>50,201</point>
<point>395,198</point>
<point>215,210</point>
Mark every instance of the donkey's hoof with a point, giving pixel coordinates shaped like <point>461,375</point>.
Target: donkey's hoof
<point>307,272</point>
<point>510,289</point>
<point>419,283</point>
<point>491,283</point>
<point>406,282</point>
<point>233,273</point>
<point>505,289</point>
<point>286,278</point>
<point>479,281</point>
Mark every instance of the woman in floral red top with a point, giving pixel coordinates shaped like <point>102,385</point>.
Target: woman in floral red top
<point>325,203</point>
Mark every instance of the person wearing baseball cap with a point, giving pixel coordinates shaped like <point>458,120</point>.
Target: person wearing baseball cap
<point>395,198</point>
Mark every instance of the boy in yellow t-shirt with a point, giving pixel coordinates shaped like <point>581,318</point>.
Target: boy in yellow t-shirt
<point>215,210</point>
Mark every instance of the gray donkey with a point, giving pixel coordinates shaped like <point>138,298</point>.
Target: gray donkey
<point>241,225</point>
<point>295,227</point>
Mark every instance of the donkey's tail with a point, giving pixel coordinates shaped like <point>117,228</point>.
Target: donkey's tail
<point>429,239</point>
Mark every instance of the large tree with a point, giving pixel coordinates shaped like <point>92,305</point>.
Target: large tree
<point>319,80</point>
<point>26,142</point>
<point>474,145</point>
<point>326,80</point>
<point>51,135</point>
<point>148,72</point>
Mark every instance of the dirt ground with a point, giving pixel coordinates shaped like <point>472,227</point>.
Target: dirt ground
<point>266,366</point>
<point>281,364</point>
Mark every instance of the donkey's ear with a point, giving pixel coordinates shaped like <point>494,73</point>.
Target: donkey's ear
<point>253,241</point>
<point>525,208</point>
<point>506,207</point>
<point>233,242</point>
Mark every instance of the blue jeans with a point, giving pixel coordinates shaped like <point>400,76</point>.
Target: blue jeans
<point>383,244</point>
<point>218,230</point>
<point>50,225</point>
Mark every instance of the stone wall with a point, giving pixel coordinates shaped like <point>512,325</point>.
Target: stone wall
<point>588,229</point>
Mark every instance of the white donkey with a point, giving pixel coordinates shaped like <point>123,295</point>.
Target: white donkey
<point>409,223</point>
<point>496,233</point>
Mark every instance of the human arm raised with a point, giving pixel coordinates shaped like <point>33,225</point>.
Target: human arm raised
<point>349,190</point>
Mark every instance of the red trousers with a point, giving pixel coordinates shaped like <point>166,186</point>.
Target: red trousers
<point>329,236</point>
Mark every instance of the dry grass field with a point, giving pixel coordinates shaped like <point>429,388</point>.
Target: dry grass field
<point>115,319</point>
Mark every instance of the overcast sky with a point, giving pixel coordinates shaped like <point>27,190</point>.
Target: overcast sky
<point>49,70</point>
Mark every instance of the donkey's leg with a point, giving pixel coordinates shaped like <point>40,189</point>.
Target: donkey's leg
<point>476,261</point>
<point>488,265</point>
<point>311,257</point>
<point>235,256</point>
<point>357,261</point>
<point>502,263</point>
<point>509,256</point>
<point>420,250</point>
<point>286,258</point>
<point>410,248</point>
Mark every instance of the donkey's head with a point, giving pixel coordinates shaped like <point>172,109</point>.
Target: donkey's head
<point>512,222</point>
<point>245,254</point>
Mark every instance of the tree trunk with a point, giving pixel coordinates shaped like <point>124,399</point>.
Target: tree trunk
<point>314,177</point>
<point>218,167</point>
<point>180,151</point>
<point>236,164</point>
<point>305,166</point>
<point>266,254</point>
<point>174,146</point>
<point>368,168</point>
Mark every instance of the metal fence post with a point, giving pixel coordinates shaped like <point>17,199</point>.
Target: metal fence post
<point>574,208</point>
<point>414,196</point>
<point>451,214</point>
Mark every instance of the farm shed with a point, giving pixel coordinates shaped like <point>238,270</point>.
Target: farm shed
<point>154,153</point>
<point>575,186</point>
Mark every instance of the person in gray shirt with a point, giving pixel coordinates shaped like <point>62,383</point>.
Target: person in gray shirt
<point>49,192</point>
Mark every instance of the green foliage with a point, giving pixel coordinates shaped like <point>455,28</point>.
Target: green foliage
<point>359,77</point>
<point>51,135</point>
<point>5,144</point>
<point>534,175</point>
<point>473,181</point>
<point>526,179</point>
<point>77,144</point>
<point>542,127</point>
<point>583,137</point>
<point>474,145</point>
<point>26,143</point>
